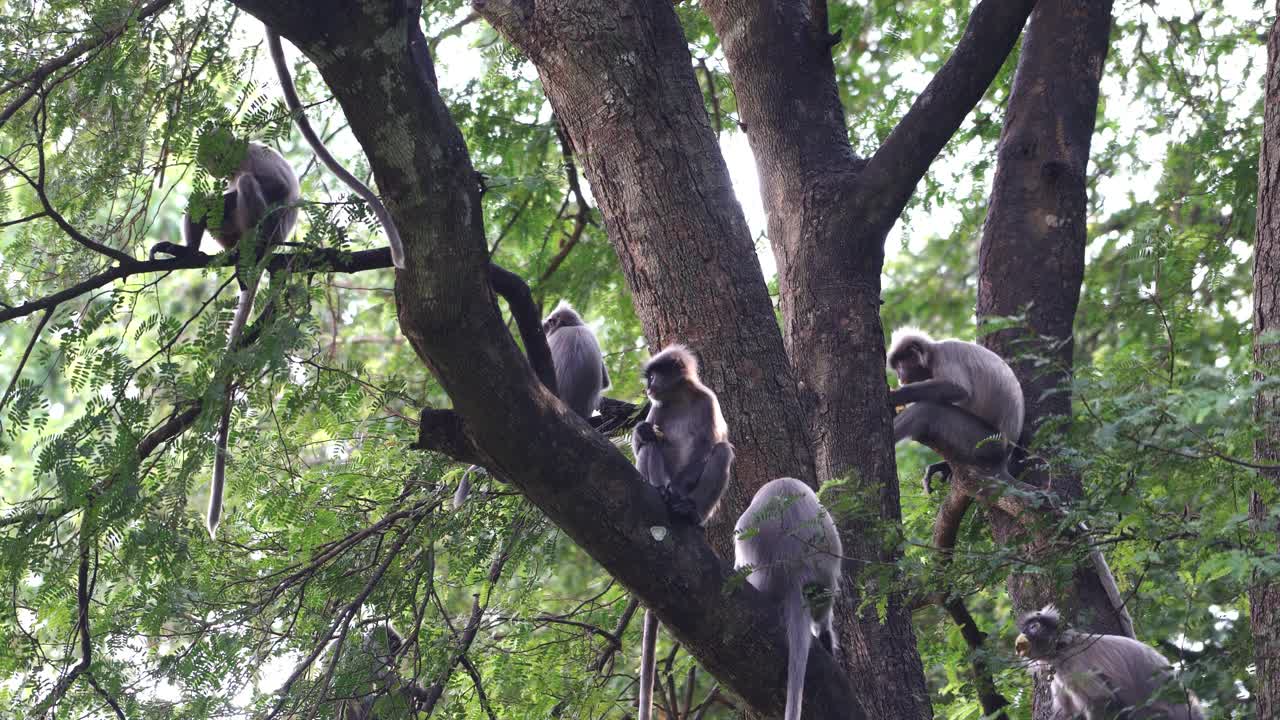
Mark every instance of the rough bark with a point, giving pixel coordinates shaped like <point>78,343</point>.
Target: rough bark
<point>1037,220</point>
<point>619,75</point>
<point>1264,596</point>
<point>829,212</point>
<point>450,316</point>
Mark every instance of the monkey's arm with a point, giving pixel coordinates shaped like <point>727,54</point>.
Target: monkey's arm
<point>697,500</point>
<point>604,378</point>
<point>939,391</point>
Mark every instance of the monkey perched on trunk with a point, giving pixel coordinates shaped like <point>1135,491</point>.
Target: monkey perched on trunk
<point>961,395</point>
<point>260,201</point>
<point>682,448</point>
<point>793,549</point>
<point>1100,677</point>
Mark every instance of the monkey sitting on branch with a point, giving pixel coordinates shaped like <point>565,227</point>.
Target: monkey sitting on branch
<point>1100,677</point>
<point>792,548</point>
<point>961,397</point>
<point>579,372</point>
<point>259,203</point>
<point>682,448</point>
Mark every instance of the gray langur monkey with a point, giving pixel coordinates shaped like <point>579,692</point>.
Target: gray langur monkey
<point>261,197</point>
<point>682,448</point>
<point>953,387</point>
<point>962,396</point>
<point>581,375</point>
<point>317,146</point>
<point>580,372</point>
<point>1100,677</point>
<point>792,548</point>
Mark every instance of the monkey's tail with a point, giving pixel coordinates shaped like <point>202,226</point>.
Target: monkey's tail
<point>243,307</point>
<point>1108,581</point>
<point>317,145</point>
<point>464,487</point>
<point>648,665</point>
<point>799,636</point>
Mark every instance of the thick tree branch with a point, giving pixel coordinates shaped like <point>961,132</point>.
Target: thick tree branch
<point>993,703</point>
<point>893,171</point>
<point>448,313</point>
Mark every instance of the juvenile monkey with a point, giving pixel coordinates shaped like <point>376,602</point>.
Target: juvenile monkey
<point>793,550</point>
<point>580,372</point>
<point>682,448</point>
<point>1099,677</point>
<point>961,395</point>
<point>261,197</point>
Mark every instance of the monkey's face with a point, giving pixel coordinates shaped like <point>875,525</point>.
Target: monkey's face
<point>911,363</point>
<point>663,377</point>
<point>1038,638</point>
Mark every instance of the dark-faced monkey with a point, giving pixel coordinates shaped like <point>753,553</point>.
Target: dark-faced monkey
<point>1101,677</point>
<point>580,372</point>
<point>788,541</point>
<point>260,202</point>
<point>682,448</point>
<point>961,396</point>
<point>967,399</point>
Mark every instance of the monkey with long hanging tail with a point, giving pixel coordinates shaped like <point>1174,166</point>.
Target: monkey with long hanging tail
<point>790,544</point>
<point>259,210</point>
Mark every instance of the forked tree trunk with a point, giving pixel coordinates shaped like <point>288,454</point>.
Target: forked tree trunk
<point>1264,597</point>
<point>1032,260</point>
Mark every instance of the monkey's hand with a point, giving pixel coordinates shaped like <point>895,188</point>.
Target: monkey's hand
<point>648,432</point>
<point>941,469</point>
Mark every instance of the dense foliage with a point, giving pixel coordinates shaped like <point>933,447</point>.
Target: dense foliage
<point>334,527</point>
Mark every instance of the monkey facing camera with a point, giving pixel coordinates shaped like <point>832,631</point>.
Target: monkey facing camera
<point>1102,677</point>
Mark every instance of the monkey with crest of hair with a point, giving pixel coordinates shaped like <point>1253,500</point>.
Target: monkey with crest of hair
<point>788,541</point>
<point>965,398</point>
<point>1101,677</point>
<point>259,203</point>
<point>580,372</point>
<point>682,448</point>
<point>960,395</point>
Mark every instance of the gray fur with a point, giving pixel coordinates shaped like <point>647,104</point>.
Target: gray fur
<point>682,448</point>
<point>790,543</point>
<point>991,391</point>
<point>580,373</point>
<point>1099,677</point>
<point>261,197</point>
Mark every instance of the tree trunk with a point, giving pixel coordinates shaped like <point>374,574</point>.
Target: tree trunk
<point>1264,596</point>
<point>1032,260</point>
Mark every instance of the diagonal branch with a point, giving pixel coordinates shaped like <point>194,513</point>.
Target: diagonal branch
<point>893,171</point>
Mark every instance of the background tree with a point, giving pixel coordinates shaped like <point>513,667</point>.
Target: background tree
<point>521,603</point>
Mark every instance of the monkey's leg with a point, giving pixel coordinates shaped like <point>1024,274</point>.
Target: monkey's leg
<point>698,502</point>
<point>652,466</point>
<point>938,391</point>
<point>952,432</point>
